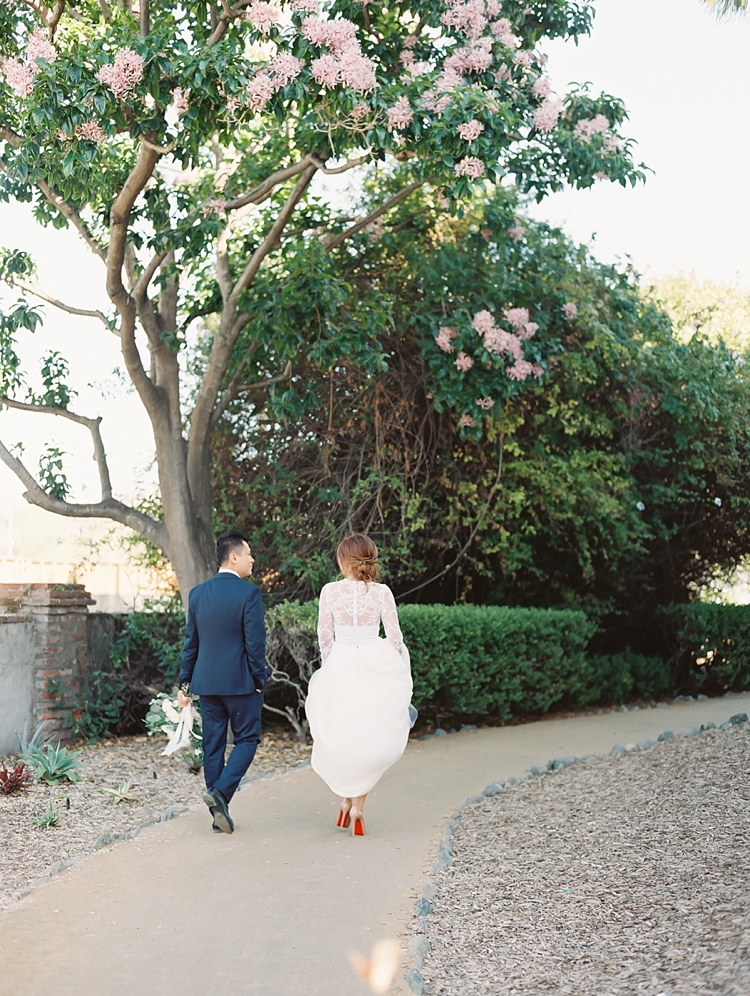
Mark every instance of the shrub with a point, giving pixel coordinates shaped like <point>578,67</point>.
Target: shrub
<point>141,656</point>
<point>487,660</point>
<point>607,678</point>
<point>709,646</point>
<point>14,779</point>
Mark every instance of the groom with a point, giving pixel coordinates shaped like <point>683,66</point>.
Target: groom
<point>224,662</point>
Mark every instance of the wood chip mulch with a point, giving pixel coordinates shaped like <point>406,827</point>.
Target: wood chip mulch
<point>28,852</point>
<point>624,874</point>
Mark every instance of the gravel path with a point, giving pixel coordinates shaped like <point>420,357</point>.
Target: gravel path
<point>623,874</point>
<point>28,852</point>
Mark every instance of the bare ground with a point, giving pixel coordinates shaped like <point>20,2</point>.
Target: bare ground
<point>623,874</point>
<point>28,852</point>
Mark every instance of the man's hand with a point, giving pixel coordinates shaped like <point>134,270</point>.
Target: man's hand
<point>183,700</point>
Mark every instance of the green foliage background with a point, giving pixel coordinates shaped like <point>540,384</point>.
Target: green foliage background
<point>624,476</point>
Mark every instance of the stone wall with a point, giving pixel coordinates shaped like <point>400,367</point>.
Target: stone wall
<point>43,658</point>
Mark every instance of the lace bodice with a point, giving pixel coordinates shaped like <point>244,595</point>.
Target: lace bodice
<point>350,607</point>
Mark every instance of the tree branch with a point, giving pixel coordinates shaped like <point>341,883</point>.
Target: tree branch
<point>154,531</point>
<point>69,212</point>
<point>339,169</point>
<point>55,19</point>
<point>105,11</point>
<point>92,424</point>
<point>119,218</point>
<point>230,328</point>
<point>259,193</point>
<point>38,292</point>
<point>10,136</point>
<point>386,206</point>
<point>271,239</point>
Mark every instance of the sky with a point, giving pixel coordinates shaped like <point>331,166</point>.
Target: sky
<point>683,77</point>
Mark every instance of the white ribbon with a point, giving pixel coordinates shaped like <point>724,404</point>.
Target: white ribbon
<point>181,736</point>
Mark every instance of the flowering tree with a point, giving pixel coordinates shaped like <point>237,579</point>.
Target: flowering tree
<point>182,146</point>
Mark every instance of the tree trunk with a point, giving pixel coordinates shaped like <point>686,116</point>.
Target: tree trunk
<point>191,550</point>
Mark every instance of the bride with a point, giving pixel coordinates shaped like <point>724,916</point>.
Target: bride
<point>358,703</point>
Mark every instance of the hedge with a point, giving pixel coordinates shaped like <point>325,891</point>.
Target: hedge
<point>708,646</point>
<point>469,662</point>
<point>476,660</point>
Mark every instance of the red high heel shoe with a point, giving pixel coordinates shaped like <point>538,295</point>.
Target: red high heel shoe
<point>343,818</point>
<point>358,823</point>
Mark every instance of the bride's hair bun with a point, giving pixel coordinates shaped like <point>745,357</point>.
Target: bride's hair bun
<point>358,556</point>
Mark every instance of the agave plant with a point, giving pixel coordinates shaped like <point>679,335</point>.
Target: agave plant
<point>53,764</point>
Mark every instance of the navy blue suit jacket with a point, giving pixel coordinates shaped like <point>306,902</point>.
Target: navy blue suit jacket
<point>225,638</point>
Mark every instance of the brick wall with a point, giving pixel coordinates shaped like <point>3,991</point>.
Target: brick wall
<point>59,614</point>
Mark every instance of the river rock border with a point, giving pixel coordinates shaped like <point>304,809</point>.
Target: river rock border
<point>419,945</point>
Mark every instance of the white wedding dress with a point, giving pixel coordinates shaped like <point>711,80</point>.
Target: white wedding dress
<point>358,700</point>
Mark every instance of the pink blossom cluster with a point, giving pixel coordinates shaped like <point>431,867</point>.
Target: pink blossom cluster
<point>493,8</point>
<point>308,6</point>
<point>282,70</point>
<point>467,16</point>
<point>90,131</point>
<point>517,232</point>
<point>523,58</point>
<point>122,75</point>
<point>344,63</point>
<point>400,115</point>
<point>216,205</point>
<point>19,77</point>
<point>180,98</point>
<point>542,88</point>
<point>470,166</point>
<point>40,48</point>
<point>440,97</point>
<point>444,339</point>
<point>470,130</point>
<point>262,16</point>
<point>260,89</point>
<point>471,58</point>
<point>585,129</point>
<point>466,422</point>
<point>360,111</point>
<point>494,339</point>
<point>502,29</point>
<point>485,403</point>
<point>601,175</point>
<point>570,310</point>
<point>521,369</point>
<point>464,362</point>
<point>503,73</point>
<point>547,114</point>
<point>612,142</point>
<point>517,317</point>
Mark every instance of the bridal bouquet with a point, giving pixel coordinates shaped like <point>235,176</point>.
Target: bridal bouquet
<point>165,716</point>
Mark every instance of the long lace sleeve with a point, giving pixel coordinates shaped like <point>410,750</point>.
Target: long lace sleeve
<point>325,624</point>
<point>390,619</point>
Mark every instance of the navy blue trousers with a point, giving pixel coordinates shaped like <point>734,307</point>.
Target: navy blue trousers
<point>243,712</point>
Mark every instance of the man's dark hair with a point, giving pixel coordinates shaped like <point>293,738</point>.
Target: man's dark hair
<point>231,540</point>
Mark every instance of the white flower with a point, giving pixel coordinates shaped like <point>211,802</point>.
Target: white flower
<point>170,712</point>
<point>717,501</point>
<point>640,506</point>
